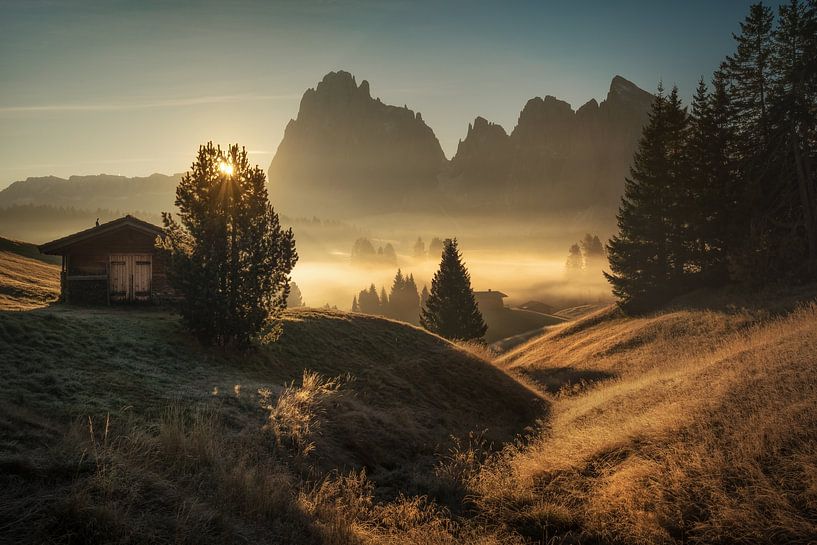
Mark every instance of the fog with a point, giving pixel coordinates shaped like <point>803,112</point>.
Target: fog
<point>522,257</point>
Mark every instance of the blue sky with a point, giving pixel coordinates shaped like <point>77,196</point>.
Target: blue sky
<point>133,87</point>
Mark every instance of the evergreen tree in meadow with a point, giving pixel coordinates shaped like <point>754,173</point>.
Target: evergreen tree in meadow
<point>450,310</point>
<point>355,307</point>
<point>435,248</point>
<point>749,71</point>
<point>227,253</point>
<point>711,196</point>
<point>647,253</point>
<point>575,261</point>
<point>419,249</point>
<point>404,301</point>
<point>793,146</point>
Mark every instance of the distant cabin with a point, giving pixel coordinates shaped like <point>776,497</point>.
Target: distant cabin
<point>115,262</point>
<point>489,300</point>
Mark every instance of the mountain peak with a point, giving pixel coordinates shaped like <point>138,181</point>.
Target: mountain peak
<point>342,83</point>
<point>623,89</point>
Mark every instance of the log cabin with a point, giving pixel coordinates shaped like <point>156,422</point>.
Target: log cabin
<point>116,262</point>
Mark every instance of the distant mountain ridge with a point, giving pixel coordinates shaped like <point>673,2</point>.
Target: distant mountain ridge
<point>347,153</point>
<point>554,156</point>
<point>345,147</point>
<point>153,193</point>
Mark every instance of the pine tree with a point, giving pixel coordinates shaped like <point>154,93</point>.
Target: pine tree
<point>423,298</point>
<point>644,269</point>
<point>227,252</point>
<point>709,197</point>
<point>450,310</point>
<point>419,249</point>
<point>404,301</point>
<point>384,302</point>
<point>295,298</point>
<point>355,307</point>
<point>575,261</point>
<point>592,252</point>
<point>793,116</point>
<point>435,248</point>
<point>749,72</point>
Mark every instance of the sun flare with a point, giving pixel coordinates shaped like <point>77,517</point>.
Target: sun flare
<point>225,168</point>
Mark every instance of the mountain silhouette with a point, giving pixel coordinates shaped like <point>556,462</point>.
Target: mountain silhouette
<point>348,152</point>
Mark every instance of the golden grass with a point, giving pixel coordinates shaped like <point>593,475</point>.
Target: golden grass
<point>26,283</point>
<point>701,430</point>
<point>692,425</point>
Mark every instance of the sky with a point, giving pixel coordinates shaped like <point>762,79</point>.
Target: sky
<point>133,87</point>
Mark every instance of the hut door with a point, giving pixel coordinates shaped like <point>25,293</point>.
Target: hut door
<point>142,273</point>
<point>130,277</point>
<point>119,278</point>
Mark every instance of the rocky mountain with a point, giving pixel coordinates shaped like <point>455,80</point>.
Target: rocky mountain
<point>346,152</point>
<point>554,157</point>
<point>154,193</point>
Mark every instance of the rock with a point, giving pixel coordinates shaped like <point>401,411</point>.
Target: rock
<point>347,154</point>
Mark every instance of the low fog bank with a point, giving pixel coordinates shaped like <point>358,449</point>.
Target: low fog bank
<point>524,258</point>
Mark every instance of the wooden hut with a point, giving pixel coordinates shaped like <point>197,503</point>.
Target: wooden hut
<point>115,262</point>
<point>489,300</point>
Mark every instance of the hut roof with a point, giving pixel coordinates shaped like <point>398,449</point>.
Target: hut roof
<point>490,293</point>
<point>55,247</point>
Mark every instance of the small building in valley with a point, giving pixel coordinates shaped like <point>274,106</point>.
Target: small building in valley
<point>489,300</point>
<point>115,262</point>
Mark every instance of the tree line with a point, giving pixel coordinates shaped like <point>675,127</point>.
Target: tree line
<point>586,255</point>
<point>726,192</point>
<point>402,303</point>
<point>448,309</point>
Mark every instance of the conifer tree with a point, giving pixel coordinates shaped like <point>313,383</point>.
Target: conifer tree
<point>709,197</point>
<point>640,261</point>
<point>451,310</point>
<point>793,117</point>
<point>355,307</point>
<point>419,249</point>
<point>404,301</point>
<point>750,80</point>
<point>384,302</point>
<point>575,261</point>
<point>227,252</point>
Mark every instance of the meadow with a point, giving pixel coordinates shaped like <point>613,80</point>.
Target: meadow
<point>693,424</point>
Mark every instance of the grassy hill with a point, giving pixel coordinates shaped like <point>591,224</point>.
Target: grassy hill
<point>26,283</point>
<point>694,424</point>
<point>26,249</point>
<point>117,427</point>
<point>690,425</point>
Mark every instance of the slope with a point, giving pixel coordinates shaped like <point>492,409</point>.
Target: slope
<point>694,424</point>
<point>25,282</point>
<point>117,427</point>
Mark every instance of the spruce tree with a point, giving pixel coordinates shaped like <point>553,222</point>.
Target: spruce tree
<point>642,266</point>
<point>450,310</point>
<point>355,308</point>
<point>227,252</point>
<point>749,71</point>
<point>575,261</point>
<point>793,116</point>
<point>709,197</point>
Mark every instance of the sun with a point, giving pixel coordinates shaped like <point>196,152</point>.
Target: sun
<point>225,168</point>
